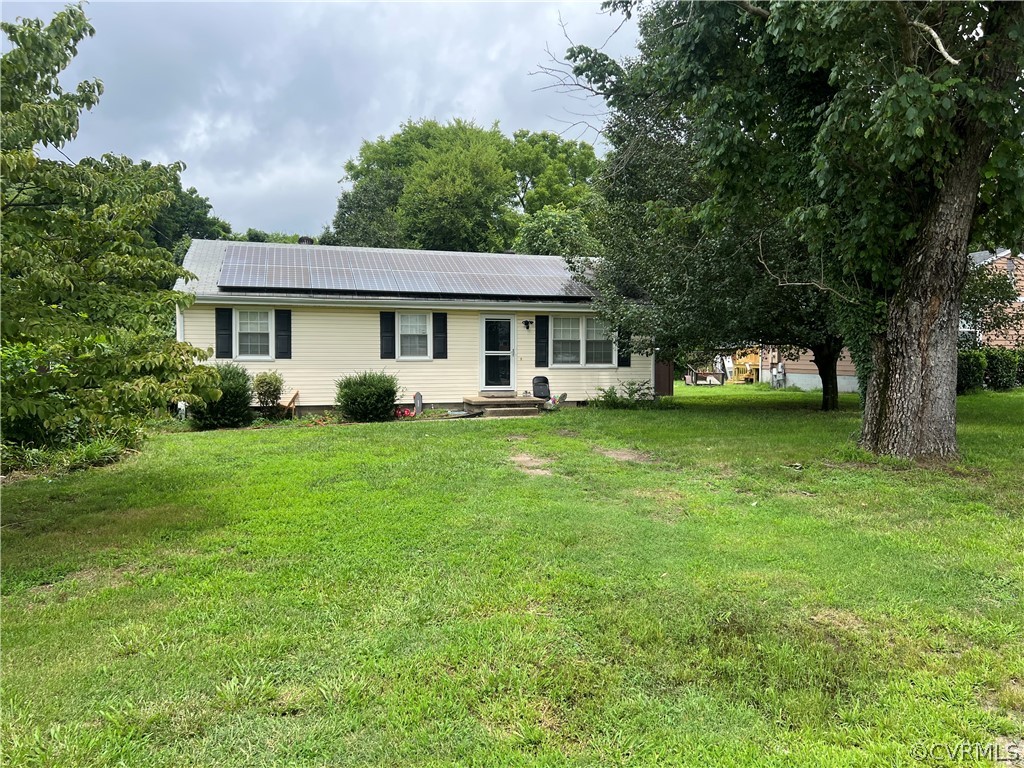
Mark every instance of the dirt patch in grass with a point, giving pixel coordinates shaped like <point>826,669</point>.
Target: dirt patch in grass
<point>1009,699</point>
<point>667,495</point>
<point>625,454</point>
<point>670,504</point>
<point>516,438</point>
<point>567,433</point>
<point>837,618</point>
<point>531,465</point>
<point>87,580</point>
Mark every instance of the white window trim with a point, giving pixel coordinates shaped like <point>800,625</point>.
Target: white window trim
<point>583,346</point>
<point>398,337</point>
<point>237,328</point>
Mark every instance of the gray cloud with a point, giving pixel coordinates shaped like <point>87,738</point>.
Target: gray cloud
<point>265,101</point>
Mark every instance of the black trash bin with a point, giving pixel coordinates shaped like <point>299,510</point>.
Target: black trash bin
<point>541,388</point>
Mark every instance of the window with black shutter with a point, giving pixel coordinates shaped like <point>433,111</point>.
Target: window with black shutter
<point>440,323</point>
<point>224,333</point>
<point>283,334</point>
<point>541,341</point>
<point>387,335</point>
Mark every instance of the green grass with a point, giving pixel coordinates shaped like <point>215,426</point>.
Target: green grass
<point>744,588</point>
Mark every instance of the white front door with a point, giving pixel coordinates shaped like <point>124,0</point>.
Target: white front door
<point>498,351</point>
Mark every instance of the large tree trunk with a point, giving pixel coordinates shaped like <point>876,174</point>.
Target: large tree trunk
<point>826,360</point>
<point>910,409</point>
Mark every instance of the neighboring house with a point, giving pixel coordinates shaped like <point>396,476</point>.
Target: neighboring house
<point>802,372</point>
<point>1002,260</point>
<point>746,366</point>
<point>448,325</point>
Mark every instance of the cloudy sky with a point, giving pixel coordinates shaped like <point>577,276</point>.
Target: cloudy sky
<point>264,102</point>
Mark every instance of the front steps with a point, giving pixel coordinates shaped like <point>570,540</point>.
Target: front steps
<point>503,406</point>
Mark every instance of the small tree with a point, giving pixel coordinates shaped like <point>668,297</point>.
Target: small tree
<point>87,318</point>
<point>268,387</point>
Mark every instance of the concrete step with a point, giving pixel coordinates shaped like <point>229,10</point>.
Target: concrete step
<point>491,413</point>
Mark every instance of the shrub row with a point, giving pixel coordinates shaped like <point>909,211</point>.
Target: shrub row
<point>234,408</point>
<point>992,367</point>
<point>367,396</point>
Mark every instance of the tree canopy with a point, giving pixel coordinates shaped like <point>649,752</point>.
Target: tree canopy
<point>86,328</point>
<point>683,283</point>
<point>887,136</point>
<point>456,186</point>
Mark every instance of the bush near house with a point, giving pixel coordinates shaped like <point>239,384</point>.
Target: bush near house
<point>633,394</point>
<point>1000,368</point>
<point>367,396</point>
<point>234,408</point>
<point>970,370</point>
<point>268,387</point>
<point>1020,367</point>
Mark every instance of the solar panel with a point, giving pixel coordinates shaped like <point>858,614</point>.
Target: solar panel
<point>328,269</point>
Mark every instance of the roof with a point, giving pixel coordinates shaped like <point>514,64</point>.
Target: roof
<point>229,268</point>
<point>984,257</point>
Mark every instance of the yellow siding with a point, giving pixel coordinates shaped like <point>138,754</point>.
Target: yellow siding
<point>579,383</point>
<point>331,342</point>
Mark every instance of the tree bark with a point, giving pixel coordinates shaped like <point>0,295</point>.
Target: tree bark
<point>826,360</point>
<point>910,408</point>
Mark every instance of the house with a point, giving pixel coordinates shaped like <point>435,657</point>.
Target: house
<point>802,372</point>
<point>1002,260</point>
<point>448,325</point>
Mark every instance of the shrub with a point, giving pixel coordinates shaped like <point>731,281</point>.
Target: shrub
<point>367,396</point>
<point>234,408</point>
<point>634,394</point>
<point>268,387</point>
<point>970,370</point>
<point>1000,368</point>
<point>91,453</point>
<point>1020,367</point>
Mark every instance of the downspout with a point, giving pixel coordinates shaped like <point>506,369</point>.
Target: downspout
<point>179,323</point>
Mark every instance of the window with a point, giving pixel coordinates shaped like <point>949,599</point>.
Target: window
<point>581,341</point>
<point>599,342</point>
<point>414,336</point>
<point>565,336</point>
<point>253,333</point>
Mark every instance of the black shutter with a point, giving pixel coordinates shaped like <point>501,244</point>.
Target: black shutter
<point>625,360</point>
<point>283,334</point>
<point>541,341</point>
<point>387,335</point>
<point>440,335</point>
<point>224,333</point>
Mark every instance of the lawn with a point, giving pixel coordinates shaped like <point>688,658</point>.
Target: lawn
<point>725,582</point>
